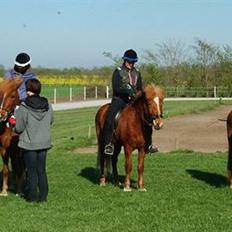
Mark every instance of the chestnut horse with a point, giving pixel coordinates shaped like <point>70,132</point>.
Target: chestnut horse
<point>229,136</point>
<point>133,131</point>
<point>8,139</point>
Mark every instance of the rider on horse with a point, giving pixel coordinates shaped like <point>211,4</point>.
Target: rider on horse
<point>126,82</point>
<point>21,68</point>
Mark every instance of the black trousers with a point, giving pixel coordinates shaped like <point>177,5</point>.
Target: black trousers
<point>35,162</point>
<point>117,104</point>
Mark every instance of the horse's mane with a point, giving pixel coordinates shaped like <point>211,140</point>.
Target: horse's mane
<point>10,85</point>
<point>148,93</point>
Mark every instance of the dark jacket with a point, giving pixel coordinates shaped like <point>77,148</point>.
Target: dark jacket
<point>125,85</point>
<point>33,120</point>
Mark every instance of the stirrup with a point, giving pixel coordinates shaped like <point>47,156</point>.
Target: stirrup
<point>109,149</point>
<point>152,149</point>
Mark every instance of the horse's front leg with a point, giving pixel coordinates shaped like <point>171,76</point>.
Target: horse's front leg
<point>140,181</point>
<point>102,180</point>
<point>5,174</point>
<point>114,165</point>
<point>128,168</point>
<point>229,162</point>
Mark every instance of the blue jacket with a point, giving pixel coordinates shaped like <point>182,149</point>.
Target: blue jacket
<point>11,74</point>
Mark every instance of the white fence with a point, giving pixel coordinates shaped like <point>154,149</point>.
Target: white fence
<point>79,93</point>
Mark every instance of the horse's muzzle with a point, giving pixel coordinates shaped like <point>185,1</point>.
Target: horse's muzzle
<point>157,123</point>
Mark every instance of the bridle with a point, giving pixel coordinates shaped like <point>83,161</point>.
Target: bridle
<point>152,118</point>
<point>7,112</point>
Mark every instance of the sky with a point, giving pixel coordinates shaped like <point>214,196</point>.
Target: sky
<point>75,33</point>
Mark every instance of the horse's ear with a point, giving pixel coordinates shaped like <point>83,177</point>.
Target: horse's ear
<point>18,81</point>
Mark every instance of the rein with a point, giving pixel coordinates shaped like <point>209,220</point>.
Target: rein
<point>147,122</point>
<point>8,112</point>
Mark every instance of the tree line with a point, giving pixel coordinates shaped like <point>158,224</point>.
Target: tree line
<point>171,63</point>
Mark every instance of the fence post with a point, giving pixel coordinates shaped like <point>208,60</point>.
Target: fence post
<point>70,94</point>
<point>215,91</point>
<point>96,92</point>
<point>89,132</point>
<point>107,91</point>
<point>54,96</point>
<point>84,93</point>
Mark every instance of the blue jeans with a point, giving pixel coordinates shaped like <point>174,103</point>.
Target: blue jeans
<point>35,162</point>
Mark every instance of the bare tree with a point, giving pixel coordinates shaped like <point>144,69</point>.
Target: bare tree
<point>169,56</point>
<point>116,59</point>
<point>206,56</point>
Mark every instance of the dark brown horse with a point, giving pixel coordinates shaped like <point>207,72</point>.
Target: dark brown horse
<point>133,131</point>
<point>229,136</point>
<point>8,139</point>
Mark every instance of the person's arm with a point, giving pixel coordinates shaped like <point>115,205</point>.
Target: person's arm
<point>120,88</point>
<point>20,120</point>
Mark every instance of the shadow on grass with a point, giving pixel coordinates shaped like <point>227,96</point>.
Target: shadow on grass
<point>212,179</point>
<point>92,174</point>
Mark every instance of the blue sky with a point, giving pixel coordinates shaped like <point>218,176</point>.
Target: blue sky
<point>68,33</point>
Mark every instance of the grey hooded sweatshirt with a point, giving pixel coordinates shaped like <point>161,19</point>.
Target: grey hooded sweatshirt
<point>33,120</point>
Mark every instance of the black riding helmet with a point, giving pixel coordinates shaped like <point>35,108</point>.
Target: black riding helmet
<point>22,62</point>
<point>130,55</point>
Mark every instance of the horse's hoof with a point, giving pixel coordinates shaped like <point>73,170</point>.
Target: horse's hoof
<point>142,190</point>
<point>127,189</point>
<point>3,194</point>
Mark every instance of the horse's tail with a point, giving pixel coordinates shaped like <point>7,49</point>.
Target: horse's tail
<point>229,136</point>
<point>99,122</point>
<point>100,153</point>
<point>99,134</point>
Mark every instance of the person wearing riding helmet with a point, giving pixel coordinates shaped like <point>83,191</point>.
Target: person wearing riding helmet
<point>22,68</point>
<point>126,82</point>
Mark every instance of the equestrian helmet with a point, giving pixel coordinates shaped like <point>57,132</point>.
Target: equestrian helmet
<point>22,59</point>
<point>130,55</point>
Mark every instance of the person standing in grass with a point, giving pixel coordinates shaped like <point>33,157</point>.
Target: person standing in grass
<point>33,119</point>
<point>22,68</point>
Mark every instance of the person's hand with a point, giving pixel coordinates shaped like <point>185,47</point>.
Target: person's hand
<point>131,90</point>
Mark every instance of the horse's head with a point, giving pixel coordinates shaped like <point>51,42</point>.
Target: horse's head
<point>155,98</point>
<point>9,97</point>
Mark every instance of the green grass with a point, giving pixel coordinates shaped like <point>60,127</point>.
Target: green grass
<point>186,191</point>
<point>77,127</point>
<point>173,108</point>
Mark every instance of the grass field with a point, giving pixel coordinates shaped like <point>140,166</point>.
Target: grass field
<point>187,191</point>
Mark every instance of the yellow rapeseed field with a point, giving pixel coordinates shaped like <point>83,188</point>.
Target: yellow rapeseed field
<point>86,80</point>
<point>73,80</point>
